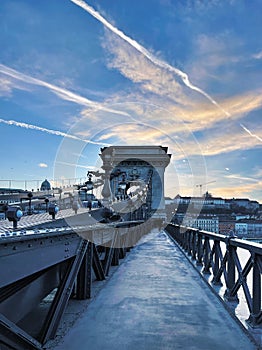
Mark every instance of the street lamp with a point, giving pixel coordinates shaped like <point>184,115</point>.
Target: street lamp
<point>46,204</point>
<point>30,196</point>
<point>14,214</point>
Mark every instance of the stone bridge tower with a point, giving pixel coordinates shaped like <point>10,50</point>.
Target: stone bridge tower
<point>137,163</point>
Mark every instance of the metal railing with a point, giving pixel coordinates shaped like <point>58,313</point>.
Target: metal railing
<point>219,256</point>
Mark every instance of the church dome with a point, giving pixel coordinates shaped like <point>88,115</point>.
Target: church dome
<point>45,186</point>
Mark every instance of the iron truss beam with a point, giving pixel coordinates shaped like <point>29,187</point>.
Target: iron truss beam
<point>62,296</point>
<point>97,265</point>
<point>13,337</point>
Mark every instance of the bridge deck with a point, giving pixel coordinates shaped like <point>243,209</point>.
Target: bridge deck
<point>155,300</point>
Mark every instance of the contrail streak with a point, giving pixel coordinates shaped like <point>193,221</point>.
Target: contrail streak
<point>49,131</point>
<point>250,133</point>
<point>63,93</point>
<point>89,167</point>
<point>145,52</point>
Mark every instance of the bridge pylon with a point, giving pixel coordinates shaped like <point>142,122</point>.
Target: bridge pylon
<point>141,167</point>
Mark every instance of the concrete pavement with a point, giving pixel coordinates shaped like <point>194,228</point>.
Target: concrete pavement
<point>155,300</point>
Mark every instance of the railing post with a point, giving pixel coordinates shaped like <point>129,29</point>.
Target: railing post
<point>199,249</point>
<point>177,234</point>
<point>194,245</point>
<point>256,314</point>
<point>185,239</point>
<point>216,280</point>
<point>189,240</point>
<point>115,260</point>
<point>206,257</point>
<point>231,274</point>
<point>182,238</point>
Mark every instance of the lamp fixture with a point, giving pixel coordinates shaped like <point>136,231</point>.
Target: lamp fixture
<point>14,214</point>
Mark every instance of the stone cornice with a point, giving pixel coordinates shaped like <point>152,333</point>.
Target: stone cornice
<point>156,156</point>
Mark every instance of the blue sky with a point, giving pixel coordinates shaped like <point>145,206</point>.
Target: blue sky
<point>183,74</point>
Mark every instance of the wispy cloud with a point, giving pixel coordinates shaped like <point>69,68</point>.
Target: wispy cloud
<point>202,116</point>
<point>89,167</point>
<point>258,55</point>
<point>49,131</point>
<point>250,133</point>
<point>249,190</point>
<point>130,133</point>
<point>159,88</point>
<point>223,143</point>
<point>43,165</point>
<point>241,178</point>
<point>179,125</point>
<point>236,185</point>
<point>160,63</point>
<point>150,78</point>
<point>180,140</point>
<point>8,84</point>
<point>180,112</point>
<point>61,92</point>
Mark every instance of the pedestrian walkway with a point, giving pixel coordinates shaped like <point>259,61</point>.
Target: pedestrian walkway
<point>156,300</point>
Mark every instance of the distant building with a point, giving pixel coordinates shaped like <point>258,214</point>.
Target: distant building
<point>259,212</point>
<point>245,203</point>
<point>254,205</point>
<point>252,228</point>
<point>208,223</point>
<point>226,224</point>
<point>208,202</point>
<point>241,202</point>
<point>205,202</point>
<point>181,200</point>
<point>45,186</point>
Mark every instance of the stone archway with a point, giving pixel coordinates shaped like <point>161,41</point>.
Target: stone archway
<point>137,162</point>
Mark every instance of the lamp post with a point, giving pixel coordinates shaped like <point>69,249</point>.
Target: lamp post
<point>46,204</point>
<point>30,196</point>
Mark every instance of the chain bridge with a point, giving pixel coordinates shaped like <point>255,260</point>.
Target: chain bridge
<point>100,267</point>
